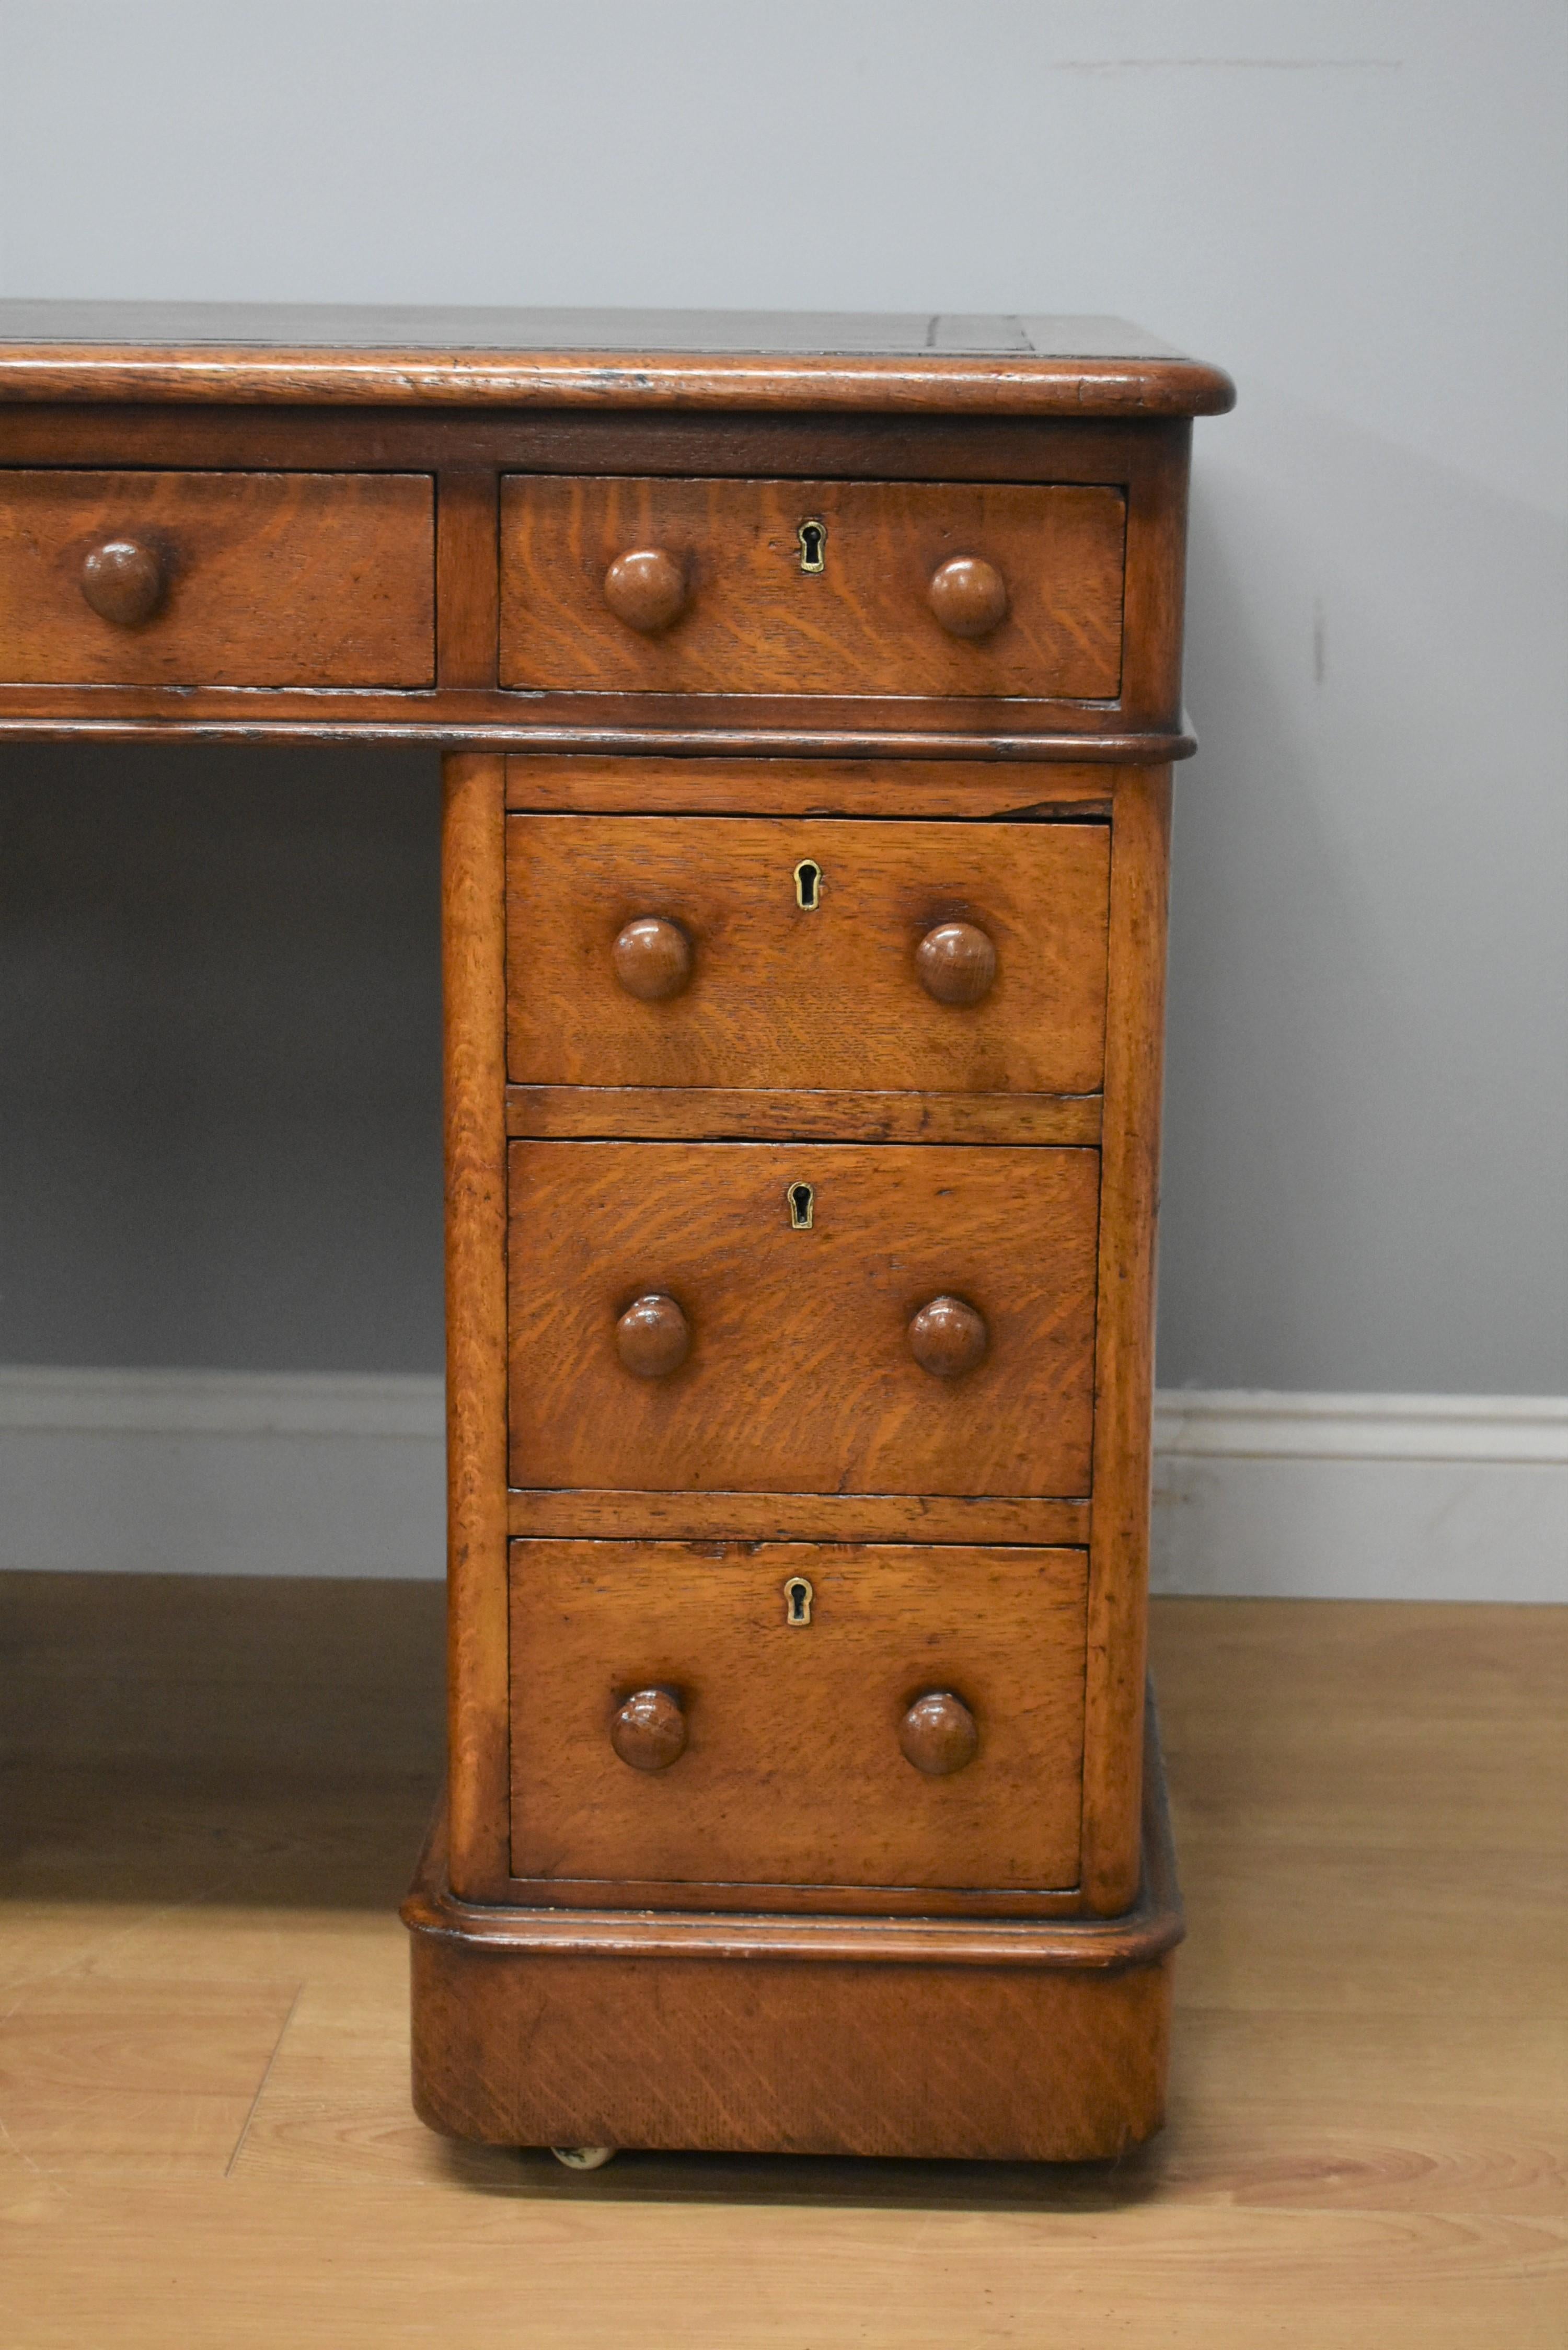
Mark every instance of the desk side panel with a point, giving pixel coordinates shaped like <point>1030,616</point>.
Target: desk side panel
<point>1124,1351</point>
<point>475,984</point>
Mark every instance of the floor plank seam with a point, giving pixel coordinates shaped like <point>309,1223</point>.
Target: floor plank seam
<point>261,2085</point>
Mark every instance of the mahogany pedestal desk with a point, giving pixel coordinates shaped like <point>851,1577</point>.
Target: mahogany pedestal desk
<point>809,688</point>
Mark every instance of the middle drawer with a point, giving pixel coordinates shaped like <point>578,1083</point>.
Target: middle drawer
<point>802,1318</point>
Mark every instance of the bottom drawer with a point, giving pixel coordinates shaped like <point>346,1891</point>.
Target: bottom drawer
<point>796,1714</point>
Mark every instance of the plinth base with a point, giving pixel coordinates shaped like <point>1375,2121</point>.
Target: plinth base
<point>1009,2040</point>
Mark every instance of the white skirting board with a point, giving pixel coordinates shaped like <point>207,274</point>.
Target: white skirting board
<point>1292,1496</point>
<point>1361,1496</point>
<point>221,1472</point>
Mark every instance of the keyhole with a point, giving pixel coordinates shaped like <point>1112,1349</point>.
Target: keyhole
<point>802,1204</point>
<point>798,1597</point>
<point>813,537</point>
<point>808,885</point>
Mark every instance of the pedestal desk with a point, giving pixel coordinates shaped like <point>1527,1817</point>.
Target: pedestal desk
<point>808,689</point>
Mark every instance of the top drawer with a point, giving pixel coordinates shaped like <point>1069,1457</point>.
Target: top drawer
<point>851,587</point>
<point>133,578</point>
<point>789,952</point>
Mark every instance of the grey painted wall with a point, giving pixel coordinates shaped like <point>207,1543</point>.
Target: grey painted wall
<point>220,1041</point>
<point>1359,208</point>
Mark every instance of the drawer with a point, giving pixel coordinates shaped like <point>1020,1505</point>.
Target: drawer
<point>788,1348</point>
<point>765,1751</point>
<point>850,588</point>
<point>133,578</point>
<point>605,912</point>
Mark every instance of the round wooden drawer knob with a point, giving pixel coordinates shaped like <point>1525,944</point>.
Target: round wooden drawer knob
<point>653,1336</point>
<point>647,589</point>
<point>649,1730</point>
<point>948,1337</point>
<point>937,1734</point>
<point>968,595</point>
<point>652,958</point>
<point>123,582</point>
<point>957,963</point>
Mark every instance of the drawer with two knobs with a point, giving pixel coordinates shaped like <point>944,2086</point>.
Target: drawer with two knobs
<point>883,1319</point>
<point>837,1717</point>
<point>985,589</point>
<point>807,953</point>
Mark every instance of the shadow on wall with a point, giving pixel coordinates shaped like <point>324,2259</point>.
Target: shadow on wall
<point>220,1035</point>
<point>1367,1091</point>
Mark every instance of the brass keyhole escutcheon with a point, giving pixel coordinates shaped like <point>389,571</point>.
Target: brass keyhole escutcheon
<point>813,537</point>
<point>802,1206</point>
<point>798,1597</point>
<point>808,884</point>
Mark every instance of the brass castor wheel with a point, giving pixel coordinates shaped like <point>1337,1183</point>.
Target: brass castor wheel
<point>583,2158</point>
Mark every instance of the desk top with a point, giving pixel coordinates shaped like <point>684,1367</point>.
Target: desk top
<point>362,354</point>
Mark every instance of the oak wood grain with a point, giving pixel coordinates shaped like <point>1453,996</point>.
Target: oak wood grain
<point>473,987</point>
<point>1124,1343</point>
<point>467,579</point>
<point>748,618</point>
<point>461,717</point>
<point>721,1113</point>
<point>799,1375</point>
<point>834,998</point>
<point>287,352</point>
<point>790,1766</point>
<point>934,383</point>
<point>903,2067</point>
<point>957,652</point>
<point>818,1517</point>
<point>1146,457</point>
<point>267,579</point>
<point>546,783</point>
<point>685,444</point>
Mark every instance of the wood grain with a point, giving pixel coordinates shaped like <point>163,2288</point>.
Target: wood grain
<point>791,1771</point>
<point>1153,593</point>
<point>1362,2145</point>
<point>95,2085</point>
<point>1123,1341</point>
<point>473,985</point>
<point>467,578</point>
<point>800,1372</point>
<point>1144,458</point>
<point>723,1113</point>
<point>932,384</point>
<point>979,568</point>
<point>469,718</point>
<point>1093,1999</point>
<point>816,1517</point>
<point>270,579</point>
<point>920,2068</point>
<point>282,353</point>
<point>754,622</point>
<point>685,444</point>
<point>546,783</point>
<point>783,997</point>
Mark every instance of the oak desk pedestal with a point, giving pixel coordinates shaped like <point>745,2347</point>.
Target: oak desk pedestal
<point>809,690</point>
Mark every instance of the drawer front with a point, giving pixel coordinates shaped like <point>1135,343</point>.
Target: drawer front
<point>769,1751</point>
<point>726,587</point>
<point>133,578</point>
<point>783,1359</point>
<point>834,992</point>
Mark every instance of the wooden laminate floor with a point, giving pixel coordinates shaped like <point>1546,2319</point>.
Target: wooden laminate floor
<point>213,1792</point>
